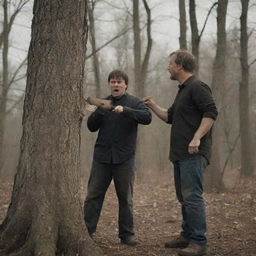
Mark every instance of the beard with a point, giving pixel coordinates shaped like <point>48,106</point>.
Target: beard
<point>172,77</point>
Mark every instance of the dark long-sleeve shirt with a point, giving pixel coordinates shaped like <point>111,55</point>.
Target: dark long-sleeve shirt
<point>116,141</point>
<point>193,102</point>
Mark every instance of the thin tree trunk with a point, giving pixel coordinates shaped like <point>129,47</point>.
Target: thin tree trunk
<point>145,63</point>
<point>137,45</point>
<point>95,59</point>
<point>246,145</point>
<point>194,31</point>
<point>4,82</point>
<point>195,36</point>
<point>45,215</point>
<point>141,68</point>
<point>183,25</point>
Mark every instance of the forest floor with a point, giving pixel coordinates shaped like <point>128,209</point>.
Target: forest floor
<point>231,219</point>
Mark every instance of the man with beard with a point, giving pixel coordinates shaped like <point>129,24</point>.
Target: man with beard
<point>192,115</point>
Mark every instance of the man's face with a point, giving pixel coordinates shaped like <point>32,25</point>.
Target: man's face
<point>173,68</point>
<point>117,86</point>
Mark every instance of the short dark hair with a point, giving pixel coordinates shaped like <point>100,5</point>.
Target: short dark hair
<point>118,74</point>
<point>185,59</point>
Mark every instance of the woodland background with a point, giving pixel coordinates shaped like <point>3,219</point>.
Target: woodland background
<point>138,36</point>
<point>138,39</point>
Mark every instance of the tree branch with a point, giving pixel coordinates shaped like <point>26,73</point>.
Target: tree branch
<point>206,19</point>
<point>252,62</point>
<point>13,16</point>
<point>229,155</point>
<point>15,104</point>
<point>13,79</point>
<point>107,43</point>
<point>149,37</point>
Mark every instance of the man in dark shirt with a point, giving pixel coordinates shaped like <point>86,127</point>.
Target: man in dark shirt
<point>114,155</point>
<point>192,115</point>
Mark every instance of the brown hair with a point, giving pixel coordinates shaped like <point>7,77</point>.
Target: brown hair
<point>118,74</point>
<point>185,59</point>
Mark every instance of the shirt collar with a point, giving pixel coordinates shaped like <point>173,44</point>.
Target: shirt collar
<point>187,82</point>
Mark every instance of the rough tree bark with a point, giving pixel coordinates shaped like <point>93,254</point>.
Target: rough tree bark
<point>45,215</point>
<point>245,134</point>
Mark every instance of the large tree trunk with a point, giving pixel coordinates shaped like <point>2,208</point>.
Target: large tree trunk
<point>45,215</point>
<point>214,178</point>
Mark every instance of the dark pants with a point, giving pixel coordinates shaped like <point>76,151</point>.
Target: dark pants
<point>99,181</point>
<point>188,177</point>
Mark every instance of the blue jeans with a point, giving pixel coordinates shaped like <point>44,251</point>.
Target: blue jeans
<point>188,178</point>
<point>99,181</point>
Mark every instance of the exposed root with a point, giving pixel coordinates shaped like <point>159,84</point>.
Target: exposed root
<point>14,235</point>
<point>84,248</point>
<point>74,240</point>
<point>44,233</point>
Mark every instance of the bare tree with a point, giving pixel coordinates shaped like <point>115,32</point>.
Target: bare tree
<point>195,39</point>
<point>218,83</point>
<point>45,215</point>
<point>95,57</point>
<point>245,134</point>
<point>195,35</point>
<point>8,20</point>
<point>120,34</point>
<point>137,43</point>
<point>141,66</point>
<point>183,25</point>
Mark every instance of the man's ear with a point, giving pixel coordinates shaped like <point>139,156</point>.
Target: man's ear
<point>180,67</point>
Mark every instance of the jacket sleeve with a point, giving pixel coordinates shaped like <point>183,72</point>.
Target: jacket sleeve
<point>94,121</point>
<point>140,113</point>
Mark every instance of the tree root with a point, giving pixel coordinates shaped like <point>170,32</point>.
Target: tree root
<point>14,235</point>
<point>45,239</point>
